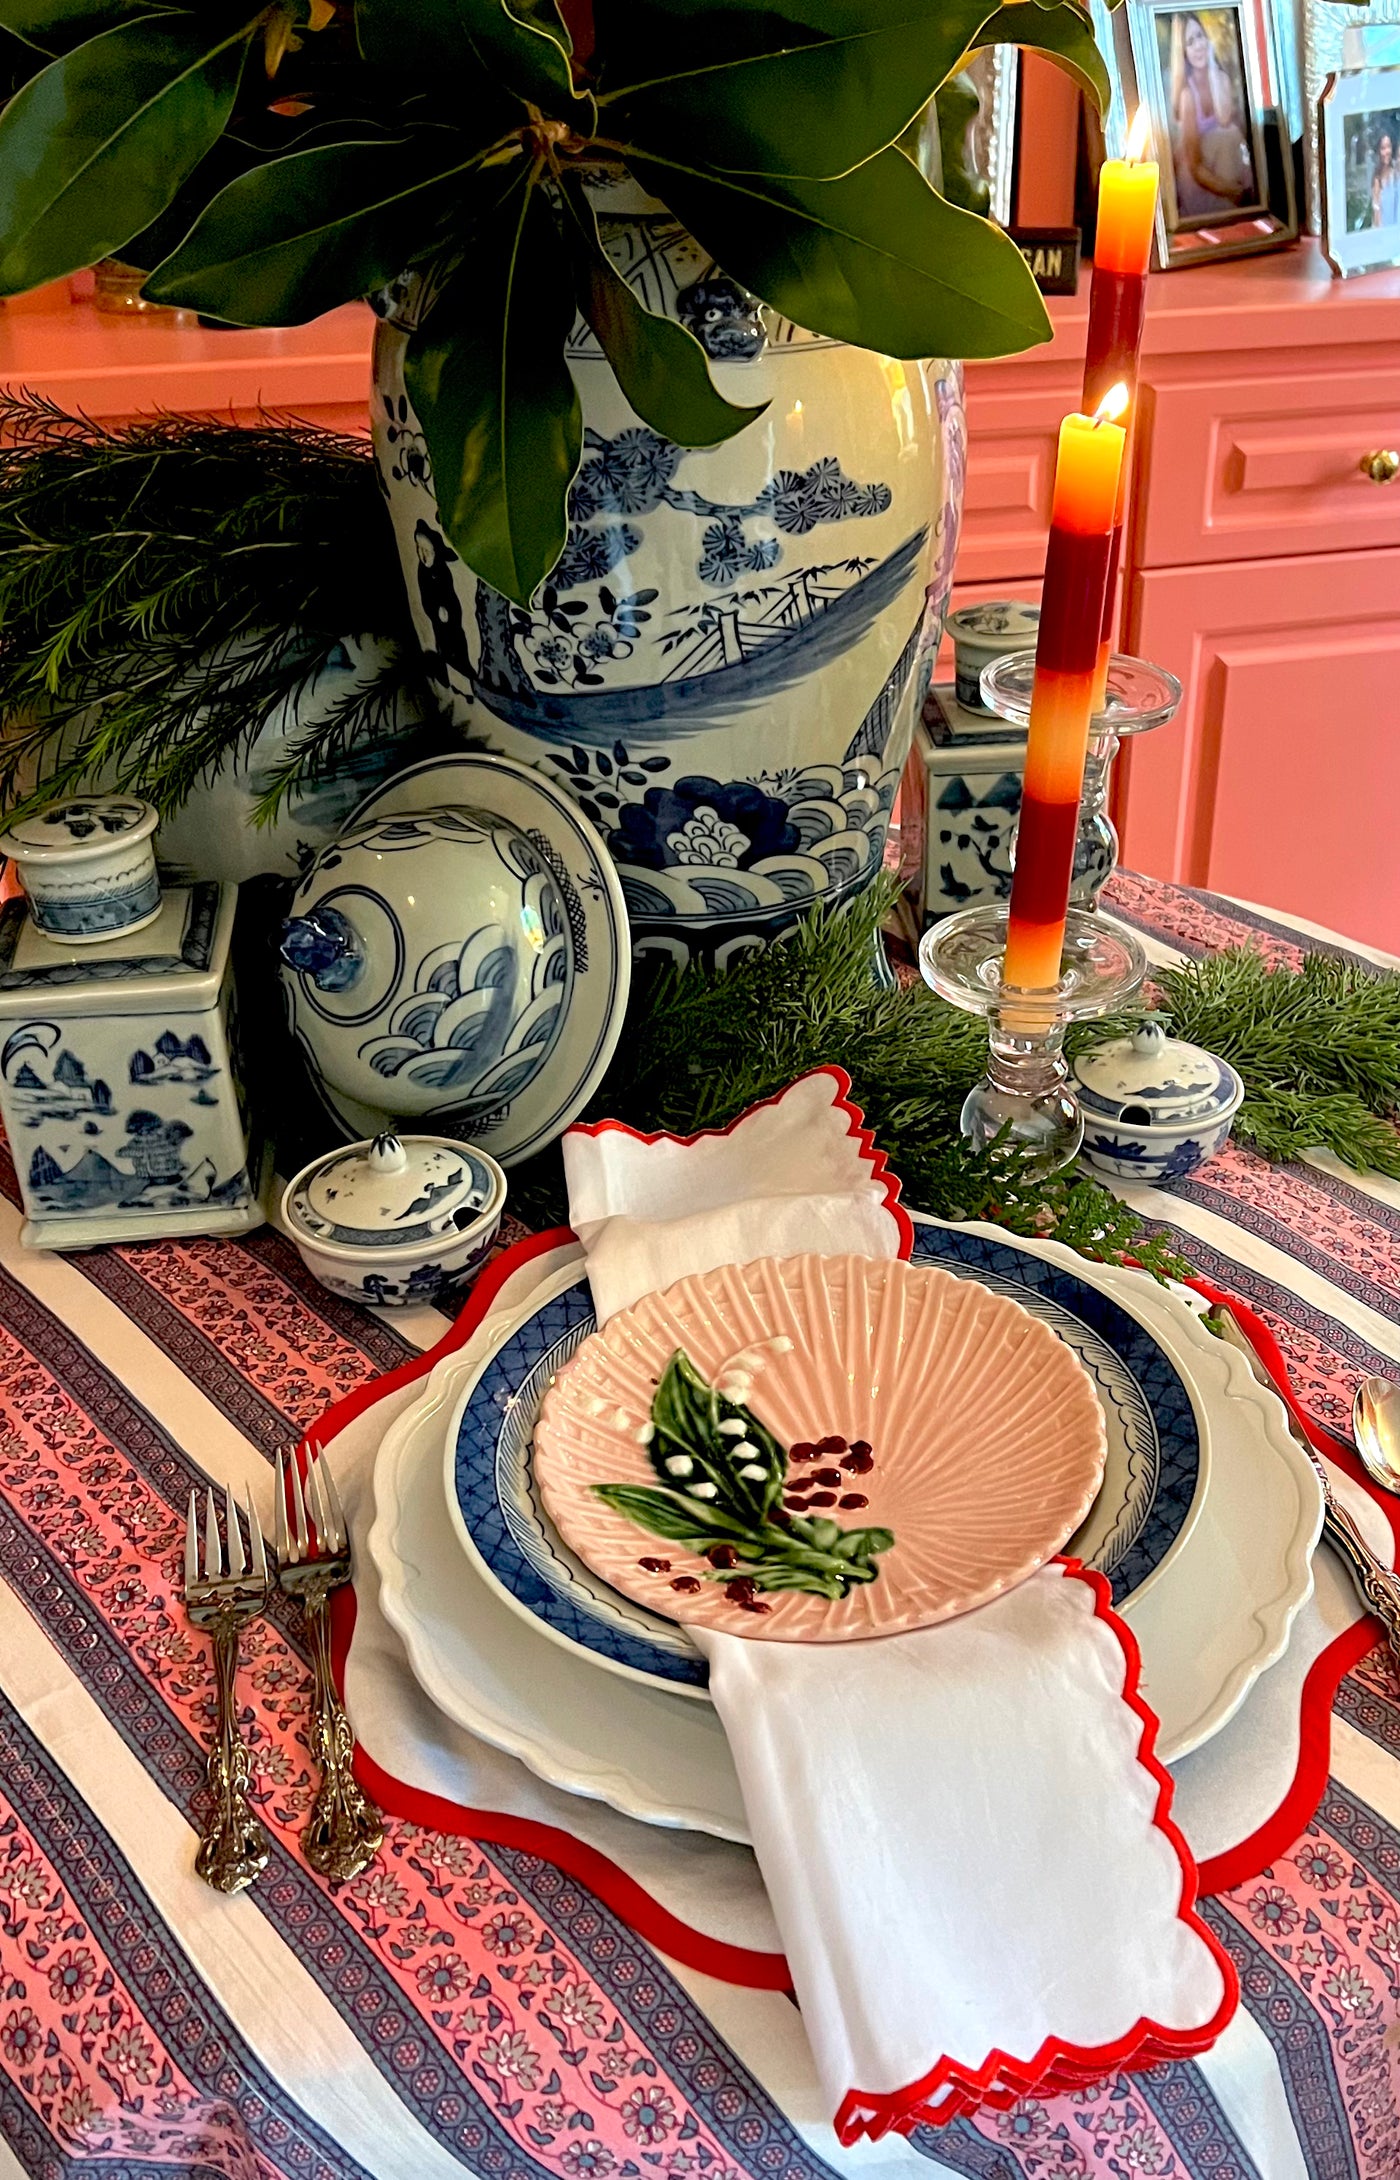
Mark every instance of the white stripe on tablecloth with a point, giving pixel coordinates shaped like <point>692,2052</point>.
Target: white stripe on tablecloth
<point>10,2166</point>
<point>136,1361</point>
<point>302,2040</point>
<point>1275,1264</point>
<point>1243,2071</point>
<point>1366,1770</point>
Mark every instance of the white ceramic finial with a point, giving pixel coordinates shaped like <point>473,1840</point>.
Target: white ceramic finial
<point>387,1155</point>
<point>1150,1034</point>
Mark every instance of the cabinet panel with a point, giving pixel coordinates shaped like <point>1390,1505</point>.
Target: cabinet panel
<point>1012,436</point>
<point>1236,468</point>
<point>1280,778</point>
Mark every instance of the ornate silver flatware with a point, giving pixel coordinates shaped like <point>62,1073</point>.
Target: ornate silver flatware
<point>234,1848</point>
<point>344,1832</point>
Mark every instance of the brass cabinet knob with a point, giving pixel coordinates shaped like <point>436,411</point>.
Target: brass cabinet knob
<point>1381,465</point>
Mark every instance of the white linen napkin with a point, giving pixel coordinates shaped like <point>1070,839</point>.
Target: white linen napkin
<point>963,1832</point>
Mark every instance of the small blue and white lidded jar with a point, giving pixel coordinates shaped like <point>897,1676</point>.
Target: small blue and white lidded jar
<point>395,1220</point>
<point>88,867</point>
<point>1154,1106</point>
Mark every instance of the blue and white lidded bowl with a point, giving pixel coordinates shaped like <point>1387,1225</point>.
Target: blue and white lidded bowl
<point>1154,1107</point>
<point>397,1220</point>
<point>984,633</point>
<point>88,866</point>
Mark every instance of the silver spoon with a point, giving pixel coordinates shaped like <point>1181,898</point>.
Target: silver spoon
<point>1375,1425</point>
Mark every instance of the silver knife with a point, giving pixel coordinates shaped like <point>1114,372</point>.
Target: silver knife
<point>1377,1587</point>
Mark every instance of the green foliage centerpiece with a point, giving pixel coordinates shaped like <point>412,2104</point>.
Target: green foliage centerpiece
<point>265,163</point>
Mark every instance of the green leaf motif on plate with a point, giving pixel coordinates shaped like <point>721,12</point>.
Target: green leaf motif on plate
<point>702,1439</point>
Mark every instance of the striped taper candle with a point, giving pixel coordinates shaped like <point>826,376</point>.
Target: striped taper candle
<point>1066,657</point>
<point>1127,216</point>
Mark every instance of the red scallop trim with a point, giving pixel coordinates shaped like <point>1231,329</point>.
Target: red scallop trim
<point>878,2112</point>
<point>740,1965</point>
<point>869,1150</point>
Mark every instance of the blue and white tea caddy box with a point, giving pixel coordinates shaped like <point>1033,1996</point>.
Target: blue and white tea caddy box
<point>969,784</point>
<point>119,1083</point>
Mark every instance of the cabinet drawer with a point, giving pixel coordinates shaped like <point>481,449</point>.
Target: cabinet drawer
<point>1280,777</point>
<point>1238,469</point>
<point>1012,436</point>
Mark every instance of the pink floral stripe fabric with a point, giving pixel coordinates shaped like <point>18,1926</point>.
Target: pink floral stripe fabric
<point>517,2023</point>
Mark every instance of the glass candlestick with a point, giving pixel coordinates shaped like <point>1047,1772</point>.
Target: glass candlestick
<point>1026,1088</point>
<point>1140,697</point>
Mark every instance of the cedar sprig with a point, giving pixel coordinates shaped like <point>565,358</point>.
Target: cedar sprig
<point>166,586</point>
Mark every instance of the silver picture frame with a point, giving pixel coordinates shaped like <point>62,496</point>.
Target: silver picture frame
<point>995,71</point>
<point>1134,40</point>
<point>1359,159</point>
<point>1325,53</point>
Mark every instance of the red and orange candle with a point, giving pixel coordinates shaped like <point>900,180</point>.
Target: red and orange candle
<point>1087,473</point>
<point>1117,304</point>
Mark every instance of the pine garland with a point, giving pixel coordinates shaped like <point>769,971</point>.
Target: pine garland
<point>701,1045</point>
<point>166,586</point>
<point>1318,1049</point>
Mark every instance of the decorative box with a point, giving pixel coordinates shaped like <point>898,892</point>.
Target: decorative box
<point>119,1082</point>
<point>970,791</point>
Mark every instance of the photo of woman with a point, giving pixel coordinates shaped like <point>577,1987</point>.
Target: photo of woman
<point>1372,148</point>
<point>1214,168</point>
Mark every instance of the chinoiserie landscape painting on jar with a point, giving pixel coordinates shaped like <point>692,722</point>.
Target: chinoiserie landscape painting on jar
<point>724,666</point>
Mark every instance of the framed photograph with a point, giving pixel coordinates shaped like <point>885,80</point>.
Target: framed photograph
<point>996,74</point>
<point>1359,146</point>
<point>1213,82</point>
<point>1337,35</point>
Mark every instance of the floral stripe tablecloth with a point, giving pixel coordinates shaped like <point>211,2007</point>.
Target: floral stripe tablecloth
<point>465,2009</point>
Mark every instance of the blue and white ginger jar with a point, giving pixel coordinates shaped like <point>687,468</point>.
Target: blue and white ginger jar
<point>1155,1108</point>
<point>725,664</point>
<point>428,962</point>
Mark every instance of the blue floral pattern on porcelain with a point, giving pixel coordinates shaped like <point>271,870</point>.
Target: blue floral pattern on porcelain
<point>1155,1446</point>
<point>429,959</point>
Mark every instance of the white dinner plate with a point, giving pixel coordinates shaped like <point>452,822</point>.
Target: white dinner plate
<point>1217,1617</point>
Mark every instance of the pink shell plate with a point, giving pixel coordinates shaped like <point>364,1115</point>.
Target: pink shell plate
<point>954,1431</point>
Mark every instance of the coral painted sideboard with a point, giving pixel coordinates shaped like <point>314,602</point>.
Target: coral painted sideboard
<point>1262,567</point>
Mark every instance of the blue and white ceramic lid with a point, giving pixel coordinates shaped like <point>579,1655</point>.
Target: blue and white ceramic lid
<point>79,826</point>
<point>1152,1080</point>
<point>394,1192</point>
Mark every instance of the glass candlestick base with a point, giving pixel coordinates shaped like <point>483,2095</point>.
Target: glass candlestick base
<point>1025,1093</point>
<point>1139,697</point>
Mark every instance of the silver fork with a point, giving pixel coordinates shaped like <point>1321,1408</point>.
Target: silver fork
<point>234,1847</point>
<point>344,1832</point>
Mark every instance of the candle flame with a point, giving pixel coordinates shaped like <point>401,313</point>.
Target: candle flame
<point>1114,404</point>
<point>1139,137</point>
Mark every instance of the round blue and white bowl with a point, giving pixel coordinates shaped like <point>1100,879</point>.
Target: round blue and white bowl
<point>1155,1108</point>
<point>88,867</point>
<point>396,1221</point>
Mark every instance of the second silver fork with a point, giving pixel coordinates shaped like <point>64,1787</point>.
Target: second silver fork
<point>234,1848</point>
<point>344,1832</point>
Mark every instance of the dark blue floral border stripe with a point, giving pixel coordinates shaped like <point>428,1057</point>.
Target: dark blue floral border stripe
<point>1358,1828</point>
<point>1268,1294</point>
<point>1300,2039</point>
<point>739,2112</point>
<point>1290,1241</point>
<point>960,2148</point>
<point>109,1897</point>
<point>1375,1715</point>
<point>664,2020</point>
<point>1250,918</point>
<point>377,1342</point>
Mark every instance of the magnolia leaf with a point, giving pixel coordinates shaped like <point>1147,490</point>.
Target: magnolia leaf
<point>521,43</point>
<point>96,145</point>
<point>760,94</point>
<point>487,376</point>
<point>53,24</point>
<point>301,234</point>
<point>877,257</point>
<point>1060,30</point>
<point>659,365</point>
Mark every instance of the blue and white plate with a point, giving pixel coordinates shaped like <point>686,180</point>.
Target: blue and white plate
<point>1152,1489</point>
